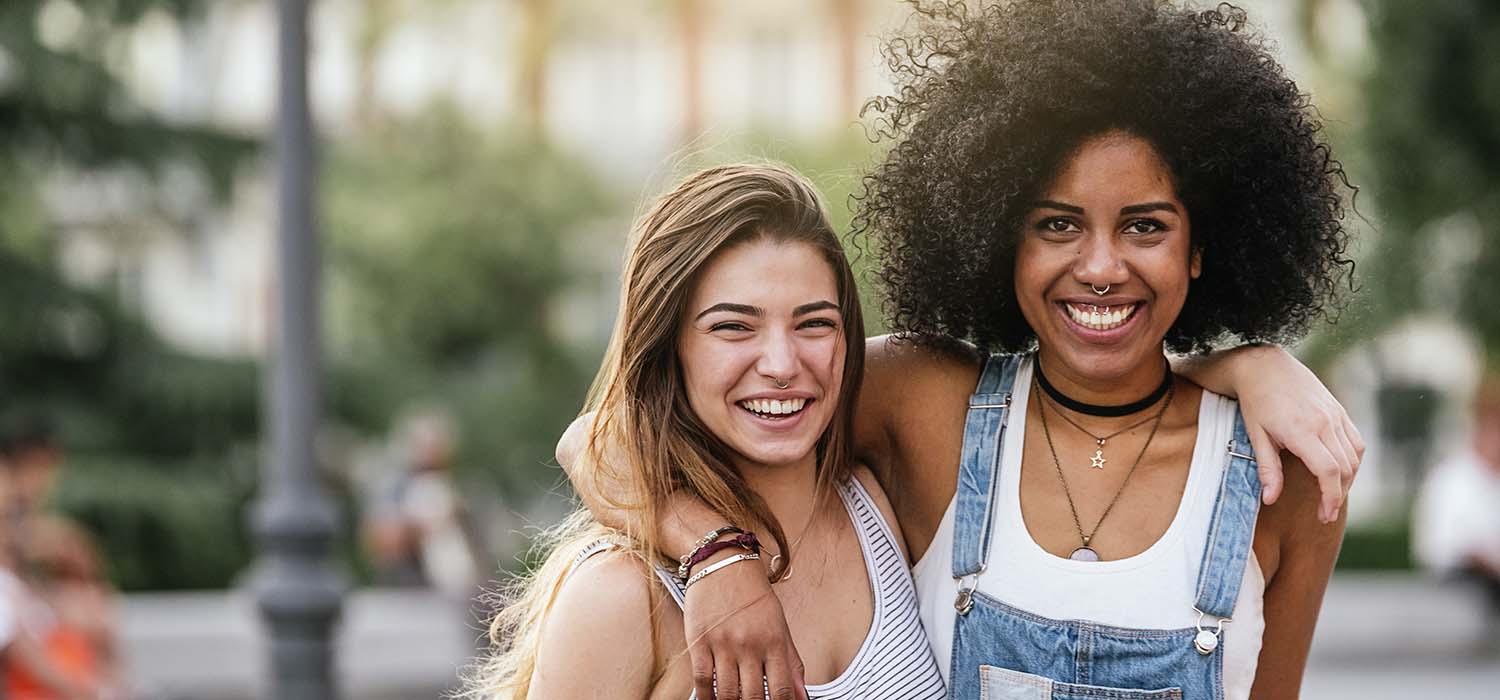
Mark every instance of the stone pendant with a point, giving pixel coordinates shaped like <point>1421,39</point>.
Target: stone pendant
<point>1084,554</point>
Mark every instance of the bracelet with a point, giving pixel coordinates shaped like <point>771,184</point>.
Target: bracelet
<point>747,556</point>
<point>746,541</point>
<point>686,561</point>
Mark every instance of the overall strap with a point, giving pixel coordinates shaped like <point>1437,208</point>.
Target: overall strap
<point>984,432</point>
<point>1232,529</point>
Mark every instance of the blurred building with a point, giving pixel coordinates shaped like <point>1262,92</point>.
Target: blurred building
<point>625,83</point>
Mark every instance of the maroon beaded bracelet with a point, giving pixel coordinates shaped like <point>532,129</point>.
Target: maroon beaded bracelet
<point>746,541</point>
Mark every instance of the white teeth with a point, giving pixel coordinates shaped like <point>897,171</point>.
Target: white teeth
<point>1100,318</point>
<point>774,407</point>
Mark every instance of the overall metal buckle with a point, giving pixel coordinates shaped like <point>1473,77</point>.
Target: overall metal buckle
<point>1206,641</point>
<point>965,600</point>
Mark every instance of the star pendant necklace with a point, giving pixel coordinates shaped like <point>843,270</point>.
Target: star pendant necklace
<point>1098,460</point>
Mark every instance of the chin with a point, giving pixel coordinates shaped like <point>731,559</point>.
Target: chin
<point>776,456</point>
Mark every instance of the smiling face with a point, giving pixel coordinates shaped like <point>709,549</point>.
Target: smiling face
<point>1110,218</point>
<point>764,314</point>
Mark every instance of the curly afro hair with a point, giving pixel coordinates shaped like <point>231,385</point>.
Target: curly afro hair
<point>989,104</point>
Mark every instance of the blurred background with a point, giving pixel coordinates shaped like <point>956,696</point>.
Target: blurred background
<point>481,162</point>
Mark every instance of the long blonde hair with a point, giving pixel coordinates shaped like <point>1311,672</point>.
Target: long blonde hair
<point>656,444</point>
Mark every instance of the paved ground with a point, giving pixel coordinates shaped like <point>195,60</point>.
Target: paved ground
<point>393,645</point>
<point>1379,637</point>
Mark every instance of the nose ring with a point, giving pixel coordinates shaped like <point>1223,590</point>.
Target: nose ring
<point>1097,290</point>
<point>780,384</point>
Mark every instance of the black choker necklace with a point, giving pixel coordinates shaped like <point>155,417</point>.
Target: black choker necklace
<point>1090,409</point>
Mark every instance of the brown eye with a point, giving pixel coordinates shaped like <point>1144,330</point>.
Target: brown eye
<point>1057,224</point>
<point>1144,226</point>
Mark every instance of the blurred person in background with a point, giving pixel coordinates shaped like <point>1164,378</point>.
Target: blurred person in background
<point>417,528</point>
<point>57,634</point>
<point>1456,518</point>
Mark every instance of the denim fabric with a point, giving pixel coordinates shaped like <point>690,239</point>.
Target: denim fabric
<point>1003,652</point>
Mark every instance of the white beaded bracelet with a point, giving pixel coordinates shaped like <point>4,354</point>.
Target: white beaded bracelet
<point>746,556</point>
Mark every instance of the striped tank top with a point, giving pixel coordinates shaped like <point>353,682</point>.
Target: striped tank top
<point>895,662</point>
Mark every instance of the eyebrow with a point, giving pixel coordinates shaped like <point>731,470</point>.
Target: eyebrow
<point>805,309</point>
<point>727,307</point>
<point>746,309</point>
<point>1132,209</point>
<point>1148,206</point>
<point>1053,204</point>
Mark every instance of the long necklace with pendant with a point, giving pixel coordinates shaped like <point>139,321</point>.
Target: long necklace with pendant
<point>1085,552</point>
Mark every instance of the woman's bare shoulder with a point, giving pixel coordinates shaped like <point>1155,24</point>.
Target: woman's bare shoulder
<point>591,640</point>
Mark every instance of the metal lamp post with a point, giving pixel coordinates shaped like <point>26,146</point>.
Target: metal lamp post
<point>297,585</point>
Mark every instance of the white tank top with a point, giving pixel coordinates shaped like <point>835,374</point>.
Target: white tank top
<point>1154,589</point>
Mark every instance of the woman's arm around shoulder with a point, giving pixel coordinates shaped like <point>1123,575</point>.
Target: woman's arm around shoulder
<point>594,641</point>
<point>1297,556</point>
<point>908,388</point>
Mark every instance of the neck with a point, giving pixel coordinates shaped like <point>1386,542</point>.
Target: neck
<point>787,489</point>
<point>1132,385</point>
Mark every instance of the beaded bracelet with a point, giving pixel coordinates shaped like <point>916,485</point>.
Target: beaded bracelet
<point>747,556</point>
<point>687,560</point>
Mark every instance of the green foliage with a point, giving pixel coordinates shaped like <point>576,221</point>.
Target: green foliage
<point>1384,547</point>
<point>447,256</point>
<point>1433,129</point>
<point>161,528</point>
<point>164,516</point>
<point>62,105</point>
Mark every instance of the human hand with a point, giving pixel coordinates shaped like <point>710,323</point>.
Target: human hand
<point>1286,407</point>
<point>737,633</point>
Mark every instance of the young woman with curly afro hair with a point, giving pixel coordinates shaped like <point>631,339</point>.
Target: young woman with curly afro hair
<point>1076,188</point>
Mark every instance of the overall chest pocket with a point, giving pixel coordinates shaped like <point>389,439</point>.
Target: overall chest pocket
<point>1004,684</point>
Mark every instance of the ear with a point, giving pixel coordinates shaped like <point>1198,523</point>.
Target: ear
<point>1195,266</point>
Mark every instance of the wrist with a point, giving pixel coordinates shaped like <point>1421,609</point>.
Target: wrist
<point>726,538</point>
<point>730,560</point>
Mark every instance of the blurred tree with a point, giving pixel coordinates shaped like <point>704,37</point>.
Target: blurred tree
<point>1432,127</point>
<point>448,252</point>
<point>64,110</point>
<point>78,355</point>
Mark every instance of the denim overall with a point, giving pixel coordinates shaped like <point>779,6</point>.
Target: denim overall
<point>1001,652</point>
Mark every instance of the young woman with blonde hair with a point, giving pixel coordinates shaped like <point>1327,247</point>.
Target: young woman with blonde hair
<point>731,375</point>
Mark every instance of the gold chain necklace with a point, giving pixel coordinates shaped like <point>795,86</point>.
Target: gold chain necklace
<point>1085,552</point>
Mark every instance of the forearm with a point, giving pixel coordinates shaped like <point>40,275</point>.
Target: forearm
<point>1218,371</point>
<point>679,524</point>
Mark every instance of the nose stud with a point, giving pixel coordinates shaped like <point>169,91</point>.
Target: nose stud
<point>1097,290</point>
<point>780,383</point>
